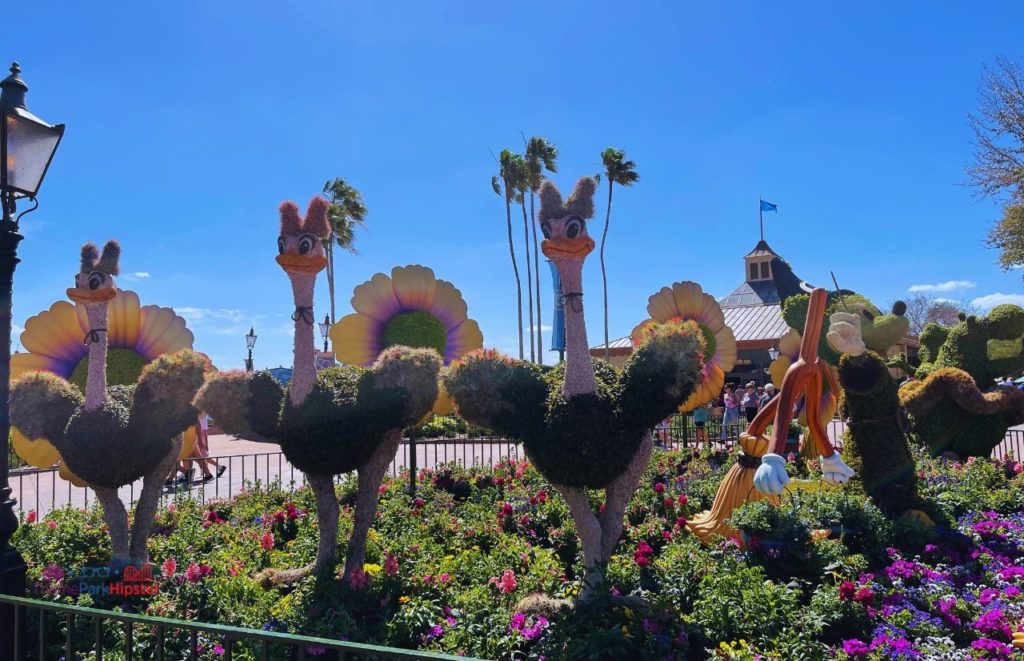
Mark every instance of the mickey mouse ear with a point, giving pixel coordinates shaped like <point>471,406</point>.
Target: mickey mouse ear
<point>806,286</point>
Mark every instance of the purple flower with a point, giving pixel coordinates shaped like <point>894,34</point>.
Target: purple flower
<point>993,622</point>
<point>993,648</point>
<point>518,621</point>
<point>856,648</point>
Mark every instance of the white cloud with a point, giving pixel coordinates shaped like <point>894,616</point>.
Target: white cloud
<point>989,301</point>
<point>198,315</point>
<point>136,276</point>
<point>948,285</point>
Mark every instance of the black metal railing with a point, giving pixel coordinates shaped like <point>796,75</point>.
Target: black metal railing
<point>47,630</point>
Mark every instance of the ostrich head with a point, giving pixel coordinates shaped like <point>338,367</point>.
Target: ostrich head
<point>94,283</point>
<point>300,246</point>
<point>565,225</point>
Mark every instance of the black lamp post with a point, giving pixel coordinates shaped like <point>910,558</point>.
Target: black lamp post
<point>325,327</point>
<point>250,342</point>
<point>27,145</point>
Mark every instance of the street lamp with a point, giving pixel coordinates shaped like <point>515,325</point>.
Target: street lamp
<point>773,353</point>
<point>325,327</point>
<point>250,342</point>
<point>27,146</point>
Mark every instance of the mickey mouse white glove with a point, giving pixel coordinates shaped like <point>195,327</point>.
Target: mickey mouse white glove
<point>835,470</point>
<point>771,475</point>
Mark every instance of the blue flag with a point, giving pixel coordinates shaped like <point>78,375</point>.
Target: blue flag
<point>768,206</point>
<point>558,324</point>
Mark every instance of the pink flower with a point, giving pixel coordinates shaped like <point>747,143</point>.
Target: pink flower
<point>31,517</point>
<point>444,577</point>
<point>193,574</point>
<point>391,565</point>
<point>659,487</point>
<point>669,502</point>
<point>418,503</point>
<point>53,573</point>
<point>169,566</point>
<point>542,495</point>
<point>643,553</point>
<point>846,591</point>
<point>267,541</point>
<point>507,583</point>
<point>358,580</point>
<point>52,524</point>
<point>218,649</point>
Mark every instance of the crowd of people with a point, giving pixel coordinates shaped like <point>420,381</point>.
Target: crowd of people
<point>736,405</point>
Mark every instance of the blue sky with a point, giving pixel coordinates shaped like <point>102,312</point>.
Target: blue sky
<point>190,121</point>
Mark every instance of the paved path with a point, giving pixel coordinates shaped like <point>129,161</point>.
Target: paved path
<point>245,462</point>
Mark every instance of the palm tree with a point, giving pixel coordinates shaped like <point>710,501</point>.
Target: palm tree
<point>346,213</point>
<point>504,184</point>
<point>622,172</point>
<point>522,187</point>
<point>541,154</point>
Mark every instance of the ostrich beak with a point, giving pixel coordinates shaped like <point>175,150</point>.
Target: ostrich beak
<point>302,264</point>
<point>85,295</point>
<point>577,248</point>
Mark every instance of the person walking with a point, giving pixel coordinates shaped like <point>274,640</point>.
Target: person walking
<point>700,417</point>
<point>766,396</point>
<point>731,417</point>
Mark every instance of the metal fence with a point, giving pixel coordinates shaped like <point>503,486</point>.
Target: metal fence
<point>45,630</point>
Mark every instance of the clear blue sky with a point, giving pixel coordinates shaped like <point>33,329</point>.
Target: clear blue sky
<point>190,121</point>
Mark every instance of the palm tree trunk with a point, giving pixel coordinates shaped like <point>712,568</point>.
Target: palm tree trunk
<point>515,269</point>
<point>529,278</point>
<point>604,277</point>
<point>536,270</point>
<point>330,274</point>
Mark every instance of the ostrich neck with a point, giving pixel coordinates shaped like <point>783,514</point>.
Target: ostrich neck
<point>303,365</point>
<point>96,382</point>
<point>579,371</point>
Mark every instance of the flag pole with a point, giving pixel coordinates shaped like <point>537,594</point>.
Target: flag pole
<point>760,212</point>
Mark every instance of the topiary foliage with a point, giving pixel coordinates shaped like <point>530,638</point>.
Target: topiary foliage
<point>41,404</point>
<point>494,391</point>
<point>162,402</point>
<point>223,396</point>
<point>123,368</point>
<point>415,329</point>
<point>879,331</point>
<point>875,445</point>
<point>950,414</point>
<point>413,371</point>
<point>340,423</point>
<point>662,372</point>
<point>984,347</point>
<point>588,440</point>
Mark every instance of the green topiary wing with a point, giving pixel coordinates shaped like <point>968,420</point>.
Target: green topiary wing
<point>494,391</point>
<point>162,407</point>
<point>41,405</point>
<point>243,403</point>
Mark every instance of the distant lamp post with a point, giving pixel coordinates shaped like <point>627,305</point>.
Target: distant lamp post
<point>27,146</point>
<point>773,353</point>
<point>325,327</point>
<point>250,342</point>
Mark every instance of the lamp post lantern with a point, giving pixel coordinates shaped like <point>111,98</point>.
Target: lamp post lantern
<point>250,342</point>
<point>773,353</point>
<point>27,146</point>
<point>325,327</point>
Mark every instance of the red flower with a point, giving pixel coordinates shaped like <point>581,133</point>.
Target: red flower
<point>31,517</point>
<point>391,565</point>
<point>682,500</point>
<point>267,541</point>
<point>643,553</point>
<point>865,596</point>
<point>847,591</point>
<point>659,487</point>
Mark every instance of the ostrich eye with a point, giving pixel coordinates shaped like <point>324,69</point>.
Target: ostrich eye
<point>545,229</point>
<point>573,227</point>
<point>280,245</point>
<point>96,280</point>
<point>868,315</point>
<point>306,243</point>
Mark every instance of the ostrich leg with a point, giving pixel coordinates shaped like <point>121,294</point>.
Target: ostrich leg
<point>116,517</point>
<point>327,513</point>
<point>370,475</point>
<point>617,496</point>
<point>589,531</point>
<point>145,510</point>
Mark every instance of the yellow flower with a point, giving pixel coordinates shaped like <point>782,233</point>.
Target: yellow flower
<point>687,301</point>
<point>372,570</point>
<point>403,600</point>
<point>411,308</point>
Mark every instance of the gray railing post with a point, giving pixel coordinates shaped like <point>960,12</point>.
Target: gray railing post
<point>412,462</point>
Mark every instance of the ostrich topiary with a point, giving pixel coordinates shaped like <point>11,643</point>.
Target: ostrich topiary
<point>335,421</point>
<point>118,434</point>
<point>584,425</point>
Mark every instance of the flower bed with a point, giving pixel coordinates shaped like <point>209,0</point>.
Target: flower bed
<point>460,567</point>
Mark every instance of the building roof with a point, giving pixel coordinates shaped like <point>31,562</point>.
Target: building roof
<point>752,323</point>
<point>762,249</point>
<point>621,343</point>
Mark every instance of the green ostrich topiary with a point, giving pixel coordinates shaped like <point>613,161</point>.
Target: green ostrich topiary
<point>117,434</point>
<point>335,421</point>
<point>584,425</point>
<point>949,406</point>
<point>875,445</point>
